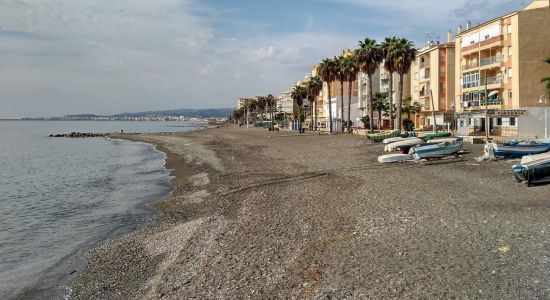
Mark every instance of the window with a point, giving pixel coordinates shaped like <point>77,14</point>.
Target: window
<point>470,79</point>
<point>499,121</point>
<point>509,50</point>
<point>512,121</point>
<point>461,123</point>
<point>441,87</point>
<point>469,121</point>
<point>509,29</point>
<point>510,94</point>
<point>509,72</point>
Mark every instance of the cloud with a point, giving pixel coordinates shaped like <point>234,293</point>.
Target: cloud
<point>108,56</point>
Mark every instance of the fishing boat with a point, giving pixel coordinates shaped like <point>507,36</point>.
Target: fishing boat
<point>442,140</point>
<point>515,151</point>
<point>535,169</point>
<point>403,143</point>
<point>432,136</point>
<point>394,158</point>
<point>441,149</point>
<point>396,139</point>
<point>531,158</point>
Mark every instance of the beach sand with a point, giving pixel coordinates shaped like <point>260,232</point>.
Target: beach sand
<point>259,214</point>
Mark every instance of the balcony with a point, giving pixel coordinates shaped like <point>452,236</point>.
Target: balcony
<point>496,39</point>
<point>470,84</point>
<point>470,65</point>
<point>479,104</point>
<point>491,60</point>
<point>492,80</point>
<point>385,76</point>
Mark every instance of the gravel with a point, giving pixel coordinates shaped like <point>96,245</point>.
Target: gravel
<point>260,214</point>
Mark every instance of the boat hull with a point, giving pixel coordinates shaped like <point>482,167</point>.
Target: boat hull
<point>518,151</point>
<point>533,172</point>
<point>394,158</point>
<point>436,150</point>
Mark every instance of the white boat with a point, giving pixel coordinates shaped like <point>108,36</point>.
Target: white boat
<point>440,149</point>
<point>394,158</point>
<point>443,140</point>
<point>531,158</point>
<point>396,139</point>
<point>408,142</point>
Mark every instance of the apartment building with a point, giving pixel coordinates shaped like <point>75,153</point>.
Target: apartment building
<point>285,104</point>
<point>385,89</point>
<point>498,71</point>
<point>363,94</point>
<point>242,102</point>
<point>433,85</point>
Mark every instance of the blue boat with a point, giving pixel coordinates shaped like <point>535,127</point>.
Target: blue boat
<point>434,150</point>
<point>516,150</point>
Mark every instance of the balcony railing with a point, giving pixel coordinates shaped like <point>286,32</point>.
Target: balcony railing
<point>470,84</point>
<point>492,80</point>
<point>470,65</point>
<point>481,103</point>
<point>491,60</point>
<point>385,76</point>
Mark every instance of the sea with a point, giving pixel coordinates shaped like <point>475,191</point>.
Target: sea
<point>61,196</point>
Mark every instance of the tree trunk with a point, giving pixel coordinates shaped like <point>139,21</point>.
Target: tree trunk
<point>342,106</point>
<point>371,106</point>
<point>379,120</point>
<point>400,101</point>
<point>349,106</point>
<point>311,114</point>
<point>390,98</point>
<point>315,111</point>
<point>329,108</point>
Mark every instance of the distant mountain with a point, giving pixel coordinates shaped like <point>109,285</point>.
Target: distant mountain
<point>193,113</point>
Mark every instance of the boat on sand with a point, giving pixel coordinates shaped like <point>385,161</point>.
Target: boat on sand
<point>515,151</point>
<point>533,169</point>
<point>440,149</point>
<point>408,142</point>
<point>394,158</point>
<point>396,139</point>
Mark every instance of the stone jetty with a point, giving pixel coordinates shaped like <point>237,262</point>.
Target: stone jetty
<point>79,135</point>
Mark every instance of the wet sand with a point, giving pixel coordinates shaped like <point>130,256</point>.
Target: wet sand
<point>258,214</point>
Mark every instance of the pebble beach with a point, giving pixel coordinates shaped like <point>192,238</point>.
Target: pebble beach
<point>258,214</point>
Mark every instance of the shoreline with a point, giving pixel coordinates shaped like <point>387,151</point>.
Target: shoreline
<point>54,282</point>
<point>259,214</point>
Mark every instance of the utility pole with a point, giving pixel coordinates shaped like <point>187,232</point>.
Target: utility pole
<point>246,110</point>
<point>433,110</point>
<point>486,110</point>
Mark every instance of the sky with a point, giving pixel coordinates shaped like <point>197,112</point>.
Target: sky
<point>62,57</point>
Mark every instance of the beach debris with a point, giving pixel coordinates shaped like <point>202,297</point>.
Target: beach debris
<point>503,249</point>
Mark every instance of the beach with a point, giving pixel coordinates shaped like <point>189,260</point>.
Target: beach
<point>259,214</point>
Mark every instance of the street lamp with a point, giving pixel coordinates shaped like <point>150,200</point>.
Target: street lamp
<point>545,114</point>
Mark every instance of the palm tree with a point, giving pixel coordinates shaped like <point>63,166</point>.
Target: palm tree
<point>298,94</point>
<point>270,102</point>
<point>260,106</point>
<point>388,53</point>
<point>350,70</point>
<point>403,56</point>
<point>379,104</point>
<point>252,104</point>
<point>369,56</point>
<point>341,76</point>
<point>314,87</point>
<point>327,71</point>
